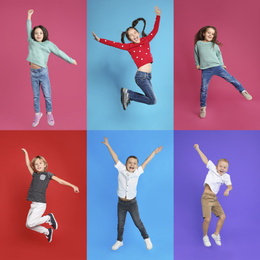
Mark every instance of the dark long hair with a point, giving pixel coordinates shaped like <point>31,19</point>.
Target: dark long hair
<point>44,30</point>
<point>134,23</point>
<point>200,37</point>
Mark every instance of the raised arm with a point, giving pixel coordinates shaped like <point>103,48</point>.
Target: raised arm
<point>27,161</point>
<point>30,12</point>
<point>201,154</point>
<point>150,157</point>
<point>62,182</point>
<point>113,154</point>
<point>157,11</point>
<point>96,37</point>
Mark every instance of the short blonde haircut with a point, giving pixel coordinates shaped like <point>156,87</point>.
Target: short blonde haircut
<point>41,158</point>
<point>223,160</point>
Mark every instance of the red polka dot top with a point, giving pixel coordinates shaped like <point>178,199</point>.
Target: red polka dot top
<point>140,52</point>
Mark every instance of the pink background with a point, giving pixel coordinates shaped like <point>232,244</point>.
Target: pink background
<point>66,24</point>
<point>237,24</point>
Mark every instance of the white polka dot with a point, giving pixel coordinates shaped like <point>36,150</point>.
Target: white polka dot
<point>146,53</point>
<point>105,40</point>
<point>137,57</point>
<point>139,51</point>
<point>122,45</point>
<point>134,51</point>
<point>151,34</point>
<point>113,42</point>
<point>141,58</point>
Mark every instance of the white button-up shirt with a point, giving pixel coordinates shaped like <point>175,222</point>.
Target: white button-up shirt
<point>127,181</point>
<point>214,179</point>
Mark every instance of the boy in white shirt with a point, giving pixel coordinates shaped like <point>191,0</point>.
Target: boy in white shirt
<point>128,176</point>
<point>215,178</point>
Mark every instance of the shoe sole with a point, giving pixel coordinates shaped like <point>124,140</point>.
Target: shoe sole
<point>38,121</point>
<point>55,221</point>
<point>122,98</point>
<point>51,236</point>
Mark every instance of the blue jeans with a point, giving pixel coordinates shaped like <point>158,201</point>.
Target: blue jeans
<point>143,80</point>
<point>40,78</point>
<point>129,206</point>
<point>207,74</point>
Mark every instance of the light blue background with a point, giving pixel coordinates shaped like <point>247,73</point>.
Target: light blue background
<point>109,69</point>
<point>154,195</point>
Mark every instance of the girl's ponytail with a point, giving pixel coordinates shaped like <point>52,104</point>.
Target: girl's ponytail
<point>135,22</point>
<point>123,36</point>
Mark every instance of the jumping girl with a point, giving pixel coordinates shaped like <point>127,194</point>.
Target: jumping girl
<point>39,50</point>
<point>36,194</point>
<point>208,59</point>
<point>139,49</point>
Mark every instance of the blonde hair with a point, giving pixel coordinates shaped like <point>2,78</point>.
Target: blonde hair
<point>41,158</point>
<point>223,160</point>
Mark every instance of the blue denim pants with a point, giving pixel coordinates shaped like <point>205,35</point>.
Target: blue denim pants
<point>129,206</point>
<point>207,74</point>
<point>143,80</point>
<point>40,78</point>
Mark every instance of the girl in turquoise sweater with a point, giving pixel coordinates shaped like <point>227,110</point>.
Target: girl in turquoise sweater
<point>209,60</point>
<point>39,50</point>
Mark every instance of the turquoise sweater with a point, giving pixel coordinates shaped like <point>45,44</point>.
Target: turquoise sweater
<point>39,51</point>
<point>207,55</point>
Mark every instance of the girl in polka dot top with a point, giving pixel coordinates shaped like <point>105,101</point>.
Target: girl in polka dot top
<point>139,49</point>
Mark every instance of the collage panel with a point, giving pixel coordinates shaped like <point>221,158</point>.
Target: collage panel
<point>225,107</point>
<point>64,154</point>
<point>110,69</point>
<point>239,235</point>
<point>65,22</point>
<point>154,194</point>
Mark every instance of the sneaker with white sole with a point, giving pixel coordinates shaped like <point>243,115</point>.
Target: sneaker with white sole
<point>148,243</point>
<point>206,241</point>
<point>53,221</point>
<point>49,236</point>
<point>117,245</point>
<point>125,100</point>
<point>37,118</point>
<point>246,95</point>
<point>50,119</point>
<point>202,112</point>
<point>217,239</point>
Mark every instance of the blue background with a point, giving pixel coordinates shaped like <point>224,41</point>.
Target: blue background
<point>154,195</point>
<point>240,233</point>
<point>109,69</point>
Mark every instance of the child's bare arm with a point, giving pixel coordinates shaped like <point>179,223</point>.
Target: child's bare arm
<point>113,154</point>
<point>201,154</point>
<point>27,161</point>
<point>30,12</point>
<point>229,188</point>
<point>62,182</point>
<point>150,157</point>
<point>96,37</point>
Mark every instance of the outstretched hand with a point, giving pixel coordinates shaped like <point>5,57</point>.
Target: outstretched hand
<point>105,141</point>
<point>74,62</point>
<point>196,146</point>
<point>24,150</point>
<point>96,37</point>
<point>157,150</point>
<point>76,189</point>
<point>30,12</point>
<point>157,10</point>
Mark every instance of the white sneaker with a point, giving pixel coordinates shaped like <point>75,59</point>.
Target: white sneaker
<point>148,243</point>
<point>206,241</point>
<point>117,245</point>
<point>246,95</point>
<point>217,239</point>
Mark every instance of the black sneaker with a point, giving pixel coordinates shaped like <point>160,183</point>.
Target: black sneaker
<point>53,221</point>
<point>125,100</point>
<point>49,237</point>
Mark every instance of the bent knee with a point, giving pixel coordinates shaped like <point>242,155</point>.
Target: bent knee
<point>222,217</point>
<point>153,100</point>
<point>207,220</point>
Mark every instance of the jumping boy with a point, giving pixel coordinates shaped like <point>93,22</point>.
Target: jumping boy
<point>128,176</point>
<point>215,178</point>
<point>37,191</point>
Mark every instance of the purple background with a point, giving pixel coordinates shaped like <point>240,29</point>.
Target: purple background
<point>240,233</point>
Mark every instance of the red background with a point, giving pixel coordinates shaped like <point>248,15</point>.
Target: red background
<point>237,23</point>
<point>65,152</point>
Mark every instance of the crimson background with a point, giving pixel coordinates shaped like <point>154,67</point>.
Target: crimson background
<point>65,152</point>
